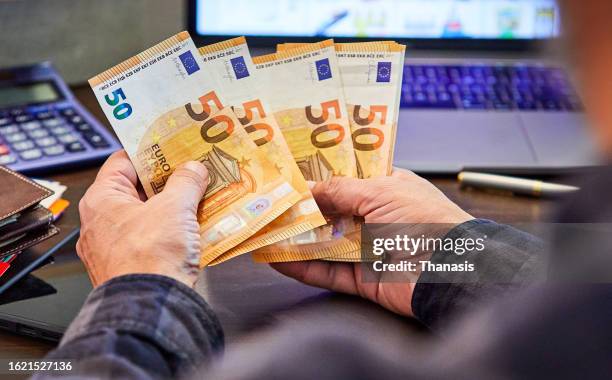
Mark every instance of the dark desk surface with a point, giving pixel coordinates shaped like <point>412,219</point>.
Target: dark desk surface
<point>246,295</point>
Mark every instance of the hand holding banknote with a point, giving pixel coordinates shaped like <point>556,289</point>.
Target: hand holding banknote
<point>121,233</point>
<point>259,138</point>
<point>403,197</point>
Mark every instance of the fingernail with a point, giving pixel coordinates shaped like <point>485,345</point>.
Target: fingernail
<point>311,184</point>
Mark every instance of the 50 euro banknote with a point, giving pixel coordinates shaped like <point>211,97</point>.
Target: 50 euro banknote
<point>304,89</point>
<point>371,76</point>
<point>238,85</point>
<point>160,106</point>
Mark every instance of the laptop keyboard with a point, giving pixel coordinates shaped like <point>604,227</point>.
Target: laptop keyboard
<point>482,87</point>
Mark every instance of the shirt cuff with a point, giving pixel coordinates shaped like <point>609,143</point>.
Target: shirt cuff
<point>510,259</point>
<point>156,307</point>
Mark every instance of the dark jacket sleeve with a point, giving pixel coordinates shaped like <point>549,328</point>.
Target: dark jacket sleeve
<point>139,327</point>
<point>511,259</point>
<point>539,333</point>
<point>147,326</point>
<point>506,330</point>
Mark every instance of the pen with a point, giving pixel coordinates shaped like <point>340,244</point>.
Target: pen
<point>514,184</point>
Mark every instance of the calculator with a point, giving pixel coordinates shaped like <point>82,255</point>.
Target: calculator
<point>42,125</point>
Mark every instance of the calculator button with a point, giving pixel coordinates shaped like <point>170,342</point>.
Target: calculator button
<point>44,115</point>
<point>9,129</point>
<point>5,121</point>
<point>54,150</point>
<point>38,133</point>
<point>95,140</point>
<point>68,138</point>
<point>30,126</point>
<point>7,159</point>
<point>76,119</point>
<point>60,130</point>
<point>50,123</point>
<point>16,112</point>
<point>46,141</point>
<point>68,112</point>
<point>31,154</point>
<point>15,137</point>
<point>75,147</point>
<point>84,127</point>
<point>4,150</point>
<point>23,118</point>
<point>23,145</point>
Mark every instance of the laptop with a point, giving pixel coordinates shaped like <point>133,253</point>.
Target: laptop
<point>476,93</point>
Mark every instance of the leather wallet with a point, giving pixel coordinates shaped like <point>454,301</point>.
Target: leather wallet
<point>23,222</point>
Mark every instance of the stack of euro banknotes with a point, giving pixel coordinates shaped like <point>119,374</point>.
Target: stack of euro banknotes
<point>263,126</point>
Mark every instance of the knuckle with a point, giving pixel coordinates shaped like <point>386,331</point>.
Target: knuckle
<point>91,205</point>
<point>83,205</point>
<point>333,186</point>
<point>90,196</point>
<point>403,173</point>
<point>78,250</point>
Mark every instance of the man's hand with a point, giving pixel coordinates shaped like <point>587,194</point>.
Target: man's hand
<point>403,197</point>
<point>121,233</point>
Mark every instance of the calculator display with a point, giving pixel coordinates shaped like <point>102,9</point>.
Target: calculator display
<point>29,93</point>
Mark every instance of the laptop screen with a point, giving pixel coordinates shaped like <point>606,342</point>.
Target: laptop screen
<point>389,19</point>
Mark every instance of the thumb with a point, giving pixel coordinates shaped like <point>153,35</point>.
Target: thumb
<point>342,195</point>
<point>188,183</point>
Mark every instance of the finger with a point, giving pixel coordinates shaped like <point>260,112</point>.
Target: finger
<point>141,192</point>
<point>343,195</point>
<point>118,165</point>
<point>339,277</point>
<point>118,176</point>
<point>402,173</point>
<point>407,175</point>
<point>188,183</point>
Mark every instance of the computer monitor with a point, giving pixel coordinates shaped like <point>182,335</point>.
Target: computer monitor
<point>418,23</point>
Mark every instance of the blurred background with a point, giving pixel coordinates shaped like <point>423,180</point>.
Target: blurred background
<point>85,37</point>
